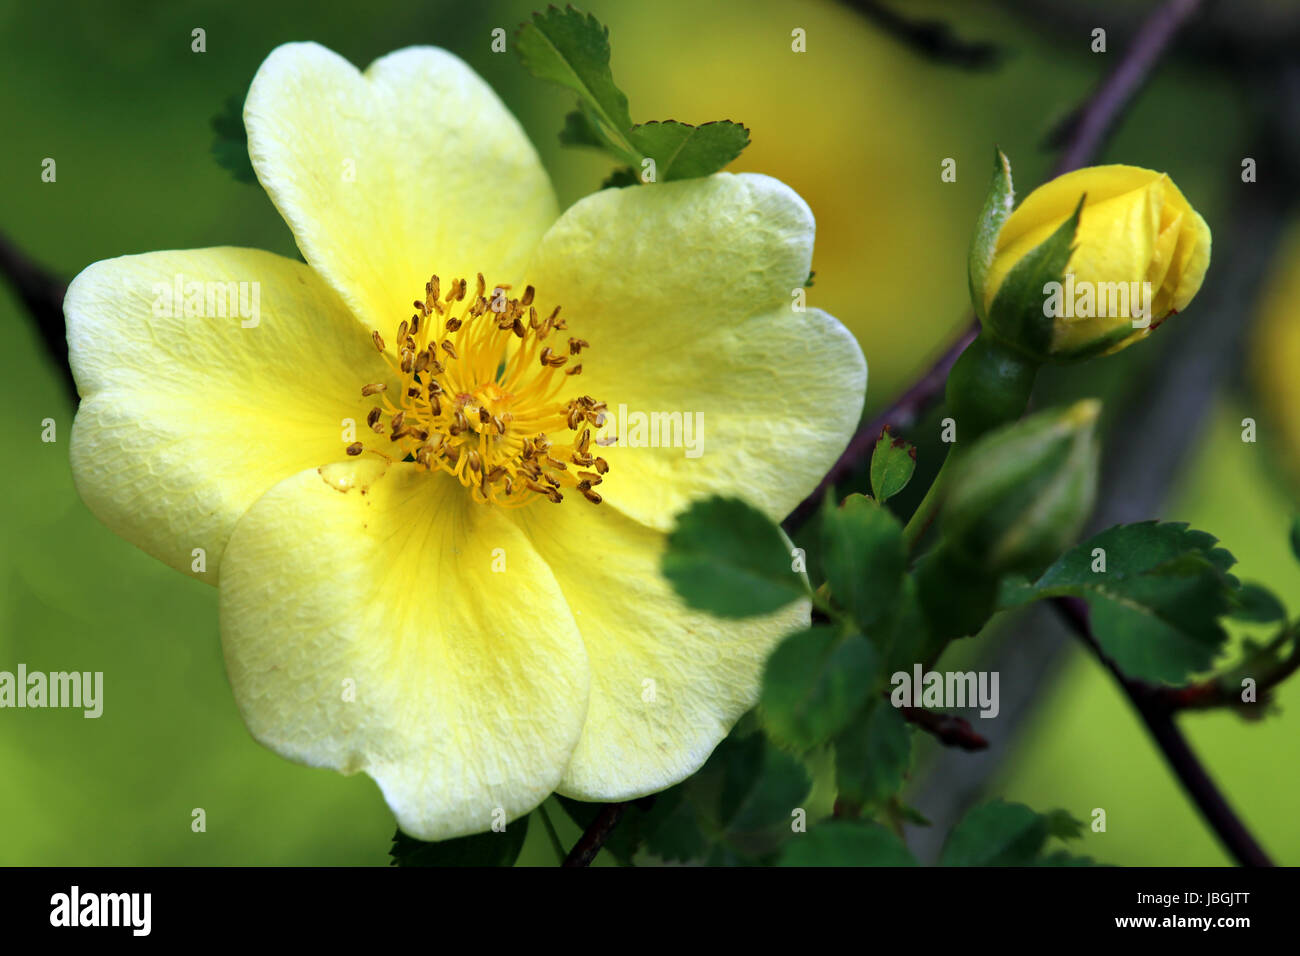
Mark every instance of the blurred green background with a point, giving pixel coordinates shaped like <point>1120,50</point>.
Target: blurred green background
<point>858,125</point>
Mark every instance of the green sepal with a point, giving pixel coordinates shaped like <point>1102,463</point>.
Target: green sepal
<point>998,205</point>
<point>1016,314</point>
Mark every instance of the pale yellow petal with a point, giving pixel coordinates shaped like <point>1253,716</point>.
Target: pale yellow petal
<point>365,629</point>
<point>195,404</point>
<point>667,683</point>
<point>686,293</point>
<point>414,167</point>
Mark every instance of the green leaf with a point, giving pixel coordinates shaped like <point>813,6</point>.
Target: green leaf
<point>872,755</point>
<point>756,802</point>
<point>580,130</point>
<point>620,178</point>
<point>1295,538</point>
<point>1016,313</point>
<point>1257,604</point>
<point>1062,825</point>
<point>864,559</point>
<point>813,685</point>
<point>892,464</point>
<point>1011,834</point>
<point>847,843</point>
<point>996,834</point>
<point>571,49</point>
<point>998,204</point>
<point>729,559</point>
<point>682,151</point>
<point>1155,607</point>
<point>230,144</point>
<point>480,849</point>
<point>673,830</point>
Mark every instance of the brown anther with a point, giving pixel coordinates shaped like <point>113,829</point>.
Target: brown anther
<point>377,339</point>
<point>484,415</point>
<point>398,433</point>
<point>475,461</point>
<point>421,361</point>
<point>373,416</point>
<point>448,348</point>
<point>518,327</point>
<point>577,345</point>
<point>527,298</point>
<point>373,388</point>
<point>355,448</point>
<point>545,357</point>
<point>602,465</point>
<point>403,329</point>
<point>591,496</point>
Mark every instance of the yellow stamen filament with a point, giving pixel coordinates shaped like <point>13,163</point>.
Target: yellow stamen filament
<point>480,396</point>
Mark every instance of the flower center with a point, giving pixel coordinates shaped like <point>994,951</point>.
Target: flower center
<point>482,379</point>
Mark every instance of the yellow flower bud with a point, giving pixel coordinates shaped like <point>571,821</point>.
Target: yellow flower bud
<point>1140,255</point>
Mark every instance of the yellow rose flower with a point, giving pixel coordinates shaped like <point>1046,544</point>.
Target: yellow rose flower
<point>1141,252</point>
<point>418,576</point>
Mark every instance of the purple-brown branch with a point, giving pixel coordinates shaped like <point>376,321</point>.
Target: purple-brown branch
<point>949,730</point>
<point>1157,708</point>
<point>41,293</point>
<point>594,837</point>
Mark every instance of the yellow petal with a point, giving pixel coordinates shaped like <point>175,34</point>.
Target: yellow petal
<point>412,168</point>
<point>684,291</point>
<point>1114,242</point>
<point>186,419</point>
<point>667,683</point>
<point>1055,200</point>
<point>1191,260</point>
<point>468,686</point>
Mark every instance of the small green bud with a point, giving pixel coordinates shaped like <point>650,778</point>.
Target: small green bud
<point>1021,495</point>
